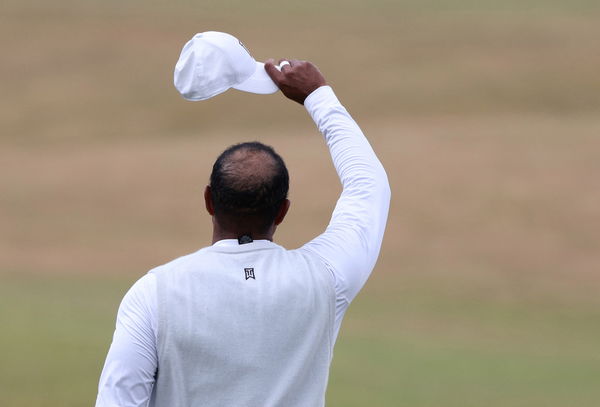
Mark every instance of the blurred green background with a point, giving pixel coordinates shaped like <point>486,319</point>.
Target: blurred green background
<point>485,114</point>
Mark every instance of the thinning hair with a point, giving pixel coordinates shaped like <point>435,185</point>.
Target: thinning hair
<point>249,183</point>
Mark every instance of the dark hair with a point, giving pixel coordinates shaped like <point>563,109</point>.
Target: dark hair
<point>249,182</point>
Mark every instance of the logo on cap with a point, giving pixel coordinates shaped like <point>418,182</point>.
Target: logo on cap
<point>243,46</point>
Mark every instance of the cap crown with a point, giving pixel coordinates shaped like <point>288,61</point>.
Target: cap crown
<point>210,63</point>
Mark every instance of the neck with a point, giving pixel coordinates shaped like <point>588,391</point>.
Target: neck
<point>220,234</point>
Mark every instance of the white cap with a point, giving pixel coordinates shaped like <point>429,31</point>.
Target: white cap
<point>212,62</point>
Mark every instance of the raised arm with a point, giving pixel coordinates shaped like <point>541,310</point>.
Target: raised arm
<point>351,243</point>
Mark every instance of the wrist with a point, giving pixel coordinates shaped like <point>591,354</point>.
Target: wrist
<point>317,94</point>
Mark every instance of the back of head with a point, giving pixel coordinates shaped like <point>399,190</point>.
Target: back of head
<point>249,183</point>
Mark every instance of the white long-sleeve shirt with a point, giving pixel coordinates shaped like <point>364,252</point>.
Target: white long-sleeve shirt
<point>348,250</point>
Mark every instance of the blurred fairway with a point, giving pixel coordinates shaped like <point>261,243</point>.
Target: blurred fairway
<point>486,116</point>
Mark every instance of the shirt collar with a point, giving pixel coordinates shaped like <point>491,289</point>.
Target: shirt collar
<point>234,243</point>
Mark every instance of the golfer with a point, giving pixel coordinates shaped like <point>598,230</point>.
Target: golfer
<point>246,322</point>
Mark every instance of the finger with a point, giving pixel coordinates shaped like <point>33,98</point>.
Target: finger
<point>284,64</point>
<point>273,72</point>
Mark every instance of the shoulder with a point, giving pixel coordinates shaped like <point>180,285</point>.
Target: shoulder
<point>178,263</point>
<point>140,291</point>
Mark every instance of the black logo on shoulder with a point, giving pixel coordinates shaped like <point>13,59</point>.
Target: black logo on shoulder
<point>249,273</point>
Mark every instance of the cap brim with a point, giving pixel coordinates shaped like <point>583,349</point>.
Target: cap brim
<point>259,82</point>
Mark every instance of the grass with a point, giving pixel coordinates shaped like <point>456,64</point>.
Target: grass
<point>415,346</point>
<point>54,331</point>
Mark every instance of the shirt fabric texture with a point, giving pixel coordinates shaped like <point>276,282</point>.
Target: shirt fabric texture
<point>177,340</point>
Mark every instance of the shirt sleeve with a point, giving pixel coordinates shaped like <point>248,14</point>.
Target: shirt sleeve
<point>351,243</point>
<point>129,372</point>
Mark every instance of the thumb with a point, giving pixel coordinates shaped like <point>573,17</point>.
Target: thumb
<point>273,72</point>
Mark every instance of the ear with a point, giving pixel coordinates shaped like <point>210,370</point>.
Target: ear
<point>208,201</point>
<point>283,210</point>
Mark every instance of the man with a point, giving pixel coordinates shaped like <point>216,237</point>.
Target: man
<point>245,322</point>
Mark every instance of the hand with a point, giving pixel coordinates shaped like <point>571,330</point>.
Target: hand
<point>296,80</point>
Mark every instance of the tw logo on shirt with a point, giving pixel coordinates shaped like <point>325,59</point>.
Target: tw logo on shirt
<point>249,273</point>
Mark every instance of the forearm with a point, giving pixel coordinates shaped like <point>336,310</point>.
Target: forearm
<point>357,166</point>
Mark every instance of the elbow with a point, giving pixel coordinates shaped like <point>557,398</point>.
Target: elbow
<point>371,187</point>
